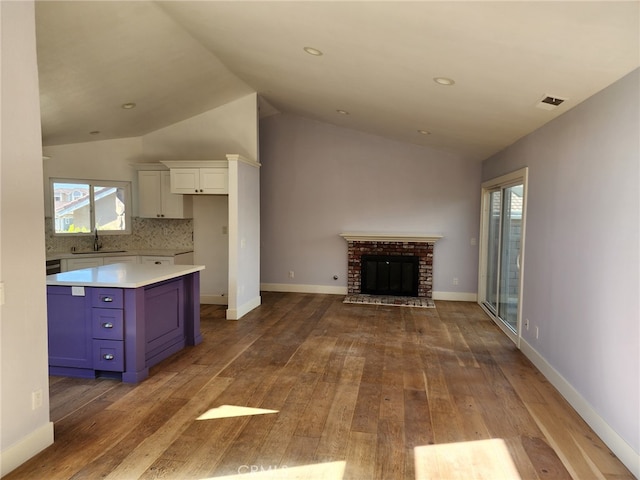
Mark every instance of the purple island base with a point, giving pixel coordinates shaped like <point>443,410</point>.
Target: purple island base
<point>121,331</point>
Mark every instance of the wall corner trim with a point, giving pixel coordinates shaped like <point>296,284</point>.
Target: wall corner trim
<point>626,454</point>
<point>242,310</point>
<point>28,447</point>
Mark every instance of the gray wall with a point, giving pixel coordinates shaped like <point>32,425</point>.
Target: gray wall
<point>581,267</point>
<point>319,180</point>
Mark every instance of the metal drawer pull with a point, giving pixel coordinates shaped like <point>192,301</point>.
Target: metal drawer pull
<point>158,263</point>
<point>107,325</point>
<point>107,299</point>
<point>108,356</point>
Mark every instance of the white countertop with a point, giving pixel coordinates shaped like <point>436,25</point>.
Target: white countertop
<point>121,275</point>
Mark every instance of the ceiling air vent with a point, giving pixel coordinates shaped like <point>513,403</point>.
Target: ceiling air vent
<point>549,102</point>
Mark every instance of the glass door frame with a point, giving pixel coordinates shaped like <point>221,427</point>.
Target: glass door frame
<point>500,183</point>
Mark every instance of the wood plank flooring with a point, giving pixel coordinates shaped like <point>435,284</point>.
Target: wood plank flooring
<point>361,392</point>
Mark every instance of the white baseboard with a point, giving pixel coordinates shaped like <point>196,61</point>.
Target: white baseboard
<point>26,448</point>
<point>297,288</point>
<point>238,313</point>
<point>615,442</point>
<point>214,299</point>
<point>327,289</point>
<point>456,296</point>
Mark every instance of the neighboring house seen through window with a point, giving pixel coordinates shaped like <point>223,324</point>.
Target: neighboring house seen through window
<point>82,206</point>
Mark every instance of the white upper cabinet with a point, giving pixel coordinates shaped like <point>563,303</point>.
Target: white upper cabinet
<point>195,181</point>
<point>199,177</point>
<point>155,199</point>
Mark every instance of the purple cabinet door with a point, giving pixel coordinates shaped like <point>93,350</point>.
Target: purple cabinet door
<point>70,336</point>
<point>164,318</point>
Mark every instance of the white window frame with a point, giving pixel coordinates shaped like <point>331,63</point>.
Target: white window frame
<point>126,186</point>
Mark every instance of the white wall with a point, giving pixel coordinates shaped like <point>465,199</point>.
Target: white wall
<point>581,270</point>
<point>23,317</point>
<point>230,128</point>
<point>319,180</point>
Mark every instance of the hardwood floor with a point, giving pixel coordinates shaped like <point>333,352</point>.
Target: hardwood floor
<point>360,392</point>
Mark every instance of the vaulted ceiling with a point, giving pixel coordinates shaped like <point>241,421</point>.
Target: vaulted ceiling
<point>177,59</point>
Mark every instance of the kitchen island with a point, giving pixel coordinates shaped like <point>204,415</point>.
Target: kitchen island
<point>118,320</point>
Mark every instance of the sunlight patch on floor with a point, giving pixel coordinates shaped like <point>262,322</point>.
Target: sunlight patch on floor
<point>228,411</point>
<point>317,471</point>
<point>482,459</point>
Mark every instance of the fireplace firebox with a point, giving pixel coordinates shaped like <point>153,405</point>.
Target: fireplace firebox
<point>389,275</point>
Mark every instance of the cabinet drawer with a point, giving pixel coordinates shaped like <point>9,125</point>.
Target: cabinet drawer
<point>107,323</point>
<point>106,297</point>
<point>108,355</point>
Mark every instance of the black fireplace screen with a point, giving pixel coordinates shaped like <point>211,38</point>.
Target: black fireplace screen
<point>389,275</point>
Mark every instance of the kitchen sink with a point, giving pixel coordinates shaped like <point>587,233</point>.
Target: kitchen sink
<point>93,252</point>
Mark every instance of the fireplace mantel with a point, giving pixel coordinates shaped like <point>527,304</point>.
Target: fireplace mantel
<point>390,237</point>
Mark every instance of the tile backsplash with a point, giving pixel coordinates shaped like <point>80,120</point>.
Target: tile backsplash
<point>147,234</point>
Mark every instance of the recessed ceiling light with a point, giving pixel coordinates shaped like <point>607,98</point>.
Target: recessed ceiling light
<point>424,132</point>
<point>444,81</point>
<point>128,106</point>
<point>342,112</point>
<point>95,132</point>
<point>313,51</point>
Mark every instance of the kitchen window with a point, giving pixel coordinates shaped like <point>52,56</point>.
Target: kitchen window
<point>81,207</point>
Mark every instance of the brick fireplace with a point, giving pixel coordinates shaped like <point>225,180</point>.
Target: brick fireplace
<point>418,245</point>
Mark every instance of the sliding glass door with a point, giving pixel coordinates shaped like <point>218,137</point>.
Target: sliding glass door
<point>501,254</point>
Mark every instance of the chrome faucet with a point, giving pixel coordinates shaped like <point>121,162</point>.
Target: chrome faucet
<point>96,242</point>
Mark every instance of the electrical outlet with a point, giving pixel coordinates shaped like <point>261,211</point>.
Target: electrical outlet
<point>36,399</point>
<point>537,332</point>
<point>291,274</point>
<point>455,281</point>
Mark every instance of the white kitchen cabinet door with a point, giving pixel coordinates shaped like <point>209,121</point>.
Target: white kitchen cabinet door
<point>214,180</point>
<point>149,194</point>
<point>185,180</point>
<point>199,181</point>
<point>155,199</point>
